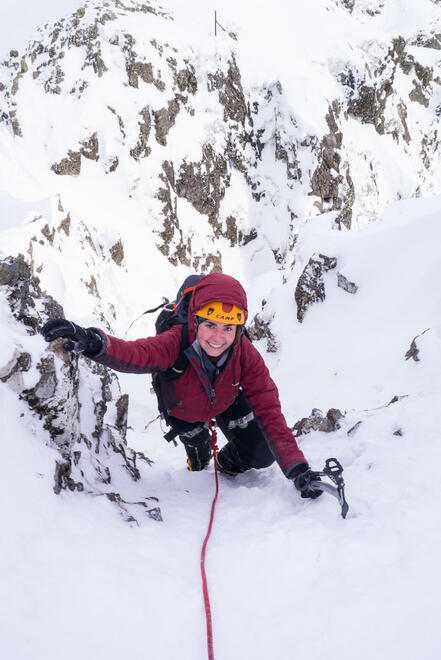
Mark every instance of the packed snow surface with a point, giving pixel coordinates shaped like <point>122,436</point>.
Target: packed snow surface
<point>288,578</point>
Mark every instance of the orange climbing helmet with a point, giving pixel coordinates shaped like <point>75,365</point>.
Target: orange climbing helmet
<point>222,313</point>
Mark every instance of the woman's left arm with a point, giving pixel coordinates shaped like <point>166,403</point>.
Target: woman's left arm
<point>264,397</point>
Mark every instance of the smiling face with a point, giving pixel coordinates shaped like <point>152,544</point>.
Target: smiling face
<point>215,338</point>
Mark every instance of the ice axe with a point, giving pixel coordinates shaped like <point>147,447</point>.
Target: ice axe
<point>334,471</point>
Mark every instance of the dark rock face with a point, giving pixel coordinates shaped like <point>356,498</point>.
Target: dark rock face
<point>370,9</point>
<point>203,183</point>
<point>348,4</point>
<point>117,253</point>
<point>90,148</point>
<point>326,179</point>
<point>88,444</point>
<point>11,372</point>
<point>369,105</point>
<point>112,164</point>
<point>414,351</point>
<point>164,120</point>
<point>345,284</point>
<point>287,153</point>
<point>186,80</point>
<point>136,70</point>
<point>257,126</point>
<point>319,422</point>
<point>69,166</point>
<point>171,233</point>
<point>367,99</point>
<point>230,92</point>
<point>260,328</point>
<point>311,287</point>
<point>348,197</point>
<point>23,290</point>
<point>141,149</point>
<point>324,183</point>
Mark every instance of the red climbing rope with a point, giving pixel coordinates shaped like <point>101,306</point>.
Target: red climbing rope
<point>214,449</point>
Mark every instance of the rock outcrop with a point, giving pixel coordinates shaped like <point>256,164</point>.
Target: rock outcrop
<point>244,128</point>
<point>414,351</point>
<point>311,287</point>
<point>317,421</point>
<point>86,425</point>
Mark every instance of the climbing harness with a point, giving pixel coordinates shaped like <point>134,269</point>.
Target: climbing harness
<point>214,449</point>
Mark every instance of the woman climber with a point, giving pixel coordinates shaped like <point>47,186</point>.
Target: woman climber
<point>221,376</point>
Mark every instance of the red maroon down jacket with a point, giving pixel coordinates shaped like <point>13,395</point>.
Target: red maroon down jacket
<point>245,369</point>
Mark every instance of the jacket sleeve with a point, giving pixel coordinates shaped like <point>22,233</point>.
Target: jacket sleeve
<point>264,397</point>
<point>142,356</point>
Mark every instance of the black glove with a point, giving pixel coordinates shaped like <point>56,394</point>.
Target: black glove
<point>81,340</point>
<point>302,476</point>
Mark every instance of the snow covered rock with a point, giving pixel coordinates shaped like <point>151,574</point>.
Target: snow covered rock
<point>311,287</point>
<point>86,422</point>
<point>317,421</point>
<point>260,328</point>
<point>208,154</point>
<point>414,351</point>
<point>345,284</point>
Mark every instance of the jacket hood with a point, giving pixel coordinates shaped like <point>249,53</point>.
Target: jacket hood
<point>215,287</point>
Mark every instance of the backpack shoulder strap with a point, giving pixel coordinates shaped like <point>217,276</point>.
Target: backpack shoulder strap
<point>181,362</point>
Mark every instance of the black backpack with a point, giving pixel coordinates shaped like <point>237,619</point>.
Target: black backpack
<point>177,311</point>
<point>173,313</point>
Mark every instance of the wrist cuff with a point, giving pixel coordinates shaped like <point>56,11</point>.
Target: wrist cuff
<point>96,344</point>
<point>296,469</point>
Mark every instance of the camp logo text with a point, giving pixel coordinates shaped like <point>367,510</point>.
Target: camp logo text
<point>223,317</point>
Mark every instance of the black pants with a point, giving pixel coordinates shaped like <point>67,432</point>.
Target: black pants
<point>246,447</point>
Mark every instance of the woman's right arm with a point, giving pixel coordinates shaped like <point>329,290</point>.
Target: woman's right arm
<point>141,356</point>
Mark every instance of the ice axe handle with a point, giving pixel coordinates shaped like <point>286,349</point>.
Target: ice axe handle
<point>334,470</point>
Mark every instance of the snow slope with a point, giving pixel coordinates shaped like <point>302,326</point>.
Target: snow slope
<point>288,578</point>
